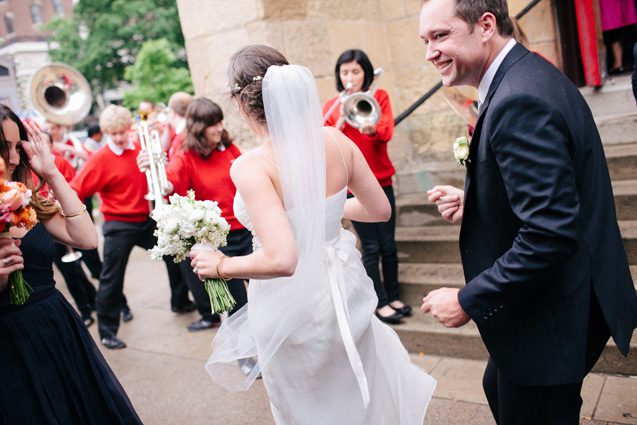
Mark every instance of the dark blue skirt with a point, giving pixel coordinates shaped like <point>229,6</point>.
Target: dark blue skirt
<point>51,371</point>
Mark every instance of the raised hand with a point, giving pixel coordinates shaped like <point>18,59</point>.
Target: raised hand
<point>450,202</point>
<point>38,151</point>
<point>143,163</point>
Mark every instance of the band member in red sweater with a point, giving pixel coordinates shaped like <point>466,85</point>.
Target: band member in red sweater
<point>203,164</point>
<point>354,73</point>
<point>112,172</point>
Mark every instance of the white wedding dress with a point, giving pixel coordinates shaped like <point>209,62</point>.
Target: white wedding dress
<point>310,379</point>
<point>324,356</point>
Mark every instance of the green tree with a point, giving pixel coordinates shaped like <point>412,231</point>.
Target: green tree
<point>105,36</point>
<point>156,75</point>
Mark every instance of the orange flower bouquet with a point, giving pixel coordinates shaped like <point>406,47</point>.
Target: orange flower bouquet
<point>15,211</point>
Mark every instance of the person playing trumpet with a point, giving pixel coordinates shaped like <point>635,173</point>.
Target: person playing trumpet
<point>112,172</point>
<point>203,164</point>
<point>354,73</point>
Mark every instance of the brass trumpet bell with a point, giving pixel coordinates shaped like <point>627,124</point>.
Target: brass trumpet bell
<point>360,109</point>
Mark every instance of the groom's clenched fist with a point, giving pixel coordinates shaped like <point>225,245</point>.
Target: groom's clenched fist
<point>450,202</point>
<point>444,306</point>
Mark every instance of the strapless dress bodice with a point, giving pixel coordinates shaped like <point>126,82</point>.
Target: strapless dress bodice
<point>333,215</point>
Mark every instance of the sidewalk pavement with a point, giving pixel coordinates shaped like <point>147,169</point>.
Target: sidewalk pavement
<point>163,372</point>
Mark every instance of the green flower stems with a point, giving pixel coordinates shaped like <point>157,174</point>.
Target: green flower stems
<point>220,297</point>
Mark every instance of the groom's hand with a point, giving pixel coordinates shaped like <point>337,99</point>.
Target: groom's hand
<point>450,202</point>
<point>444,306</point>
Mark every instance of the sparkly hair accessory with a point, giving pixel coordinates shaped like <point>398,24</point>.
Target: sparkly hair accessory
<point>236,89</point>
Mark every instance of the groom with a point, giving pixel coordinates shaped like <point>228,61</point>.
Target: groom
<point>547,276</point>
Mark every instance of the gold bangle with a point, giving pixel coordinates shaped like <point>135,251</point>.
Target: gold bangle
<point>80,212</point>
<point>223,257</point>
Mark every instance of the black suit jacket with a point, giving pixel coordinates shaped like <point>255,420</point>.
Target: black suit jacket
<point>539,235</point>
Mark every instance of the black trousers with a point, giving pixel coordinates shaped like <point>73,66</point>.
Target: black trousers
<point>119,239</point>
<point>239,243</point>
<point>91,258</point>
<point>514,404</point>
<point>378,242</point>
<point>80,288</point>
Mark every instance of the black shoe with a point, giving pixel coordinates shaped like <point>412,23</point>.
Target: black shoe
<point>113,343</point>
<point>88,320</point>
<point>405,310</point>
<point>200,325</point>
<point>190,306</point>
<point>616,71</point>
<point>127,315</point>
<point>393,319</point>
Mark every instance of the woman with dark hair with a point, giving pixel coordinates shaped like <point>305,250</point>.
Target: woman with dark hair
<point>203,165</point>
<point>324,357</point>
<point>354,73</point>
<point>68,382</point>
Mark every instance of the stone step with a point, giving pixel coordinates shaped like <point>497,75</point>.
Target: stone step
<point>423,334</point>
<point>416,280</point>
<point>615,97</point>
<point>618,129</point>
<point>439,244</point>
<point>414,210</point>
<point>622,161</point>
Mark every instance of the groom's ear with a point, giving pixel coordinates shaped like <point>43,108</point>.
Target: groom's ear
<point>488,24</point>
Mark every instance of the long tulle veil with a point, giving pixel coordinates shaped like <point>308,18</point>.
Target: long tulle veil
<point>293,115</point>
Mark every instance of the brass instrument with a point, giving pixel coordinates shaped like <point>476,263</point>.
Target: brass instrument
<point>362,108</point>
<point>156,172</point>
<point>62,94</point>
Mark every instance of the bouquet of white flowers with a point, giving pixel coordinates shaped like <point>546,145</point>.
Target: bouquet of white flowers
<point>184,223</point>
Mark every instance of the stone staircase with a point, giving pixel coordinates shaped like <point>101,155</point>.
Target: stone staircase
<point>428,247</point>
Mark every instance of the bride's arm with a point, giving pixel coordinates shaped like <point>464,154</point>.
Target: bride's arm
<point>370,203</point>
<point>278,255</point>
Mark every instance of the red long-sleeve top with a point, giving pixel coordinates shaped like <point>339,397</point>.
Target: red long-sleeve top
<point>119,182</point>
<point>208,177</point>
<point>373,148</point>
<point>62,164</point>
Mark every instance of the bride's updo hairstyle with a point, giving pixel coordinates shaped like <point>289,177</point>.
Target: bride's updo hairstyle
<point>245,73</point>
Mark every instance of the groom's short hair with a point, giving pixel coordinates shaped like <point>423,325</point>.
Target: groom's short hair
<point>471,10</point>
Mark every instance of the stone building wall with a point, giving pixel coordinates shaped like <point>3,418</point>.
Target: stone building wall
<point>314,32</point>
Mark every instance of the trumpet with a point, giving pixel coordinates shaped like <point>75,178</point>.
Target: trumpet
<point>360,108</point>
<point>156,172</point>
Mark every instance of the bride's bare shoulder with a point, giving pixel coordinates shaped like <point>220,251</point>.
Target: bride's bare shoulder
<point>248,167</point>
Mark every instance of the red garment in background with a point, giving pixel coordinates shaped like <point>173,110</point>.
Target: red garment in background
<point>119,182</point>
<point>374,148</point>
<point>588,42</point>
<point>208,177</point>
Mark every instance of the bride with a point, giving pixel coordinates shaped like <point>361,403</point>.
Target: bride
<point>324,357</point>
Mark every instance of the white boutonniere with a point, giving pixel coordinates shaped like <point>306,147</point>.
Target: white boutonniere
<point>461,150</point>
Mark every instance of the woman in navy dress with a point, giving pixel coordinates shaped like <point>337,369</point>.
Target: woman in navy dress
<point>51,371</point>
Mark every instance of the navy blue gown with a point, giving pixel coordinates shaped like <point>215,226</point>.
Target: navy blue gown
<point>51,371</point>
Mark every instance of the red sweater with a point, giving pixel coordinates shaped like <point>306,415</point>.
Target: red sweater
<point>119,182</point>
<point>374,148</point>
<point>62,164</point>
<point>208,177</point>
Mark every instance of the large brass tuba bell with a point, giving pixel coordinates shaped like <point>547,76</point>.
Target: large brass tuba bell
<point>61,93</point>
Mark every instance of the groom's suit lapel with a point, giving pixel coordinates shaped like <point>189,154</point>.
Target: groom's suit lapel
<point>517,52</point>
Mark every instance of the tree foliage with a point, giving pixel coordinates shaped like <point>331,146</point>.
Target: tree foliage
<point>156,75</point>
<point>104,37</point>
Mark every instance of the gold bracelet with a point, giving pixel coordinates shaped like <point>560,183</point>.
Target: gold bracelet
<point>80,212</point>
<point>223,257</point>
